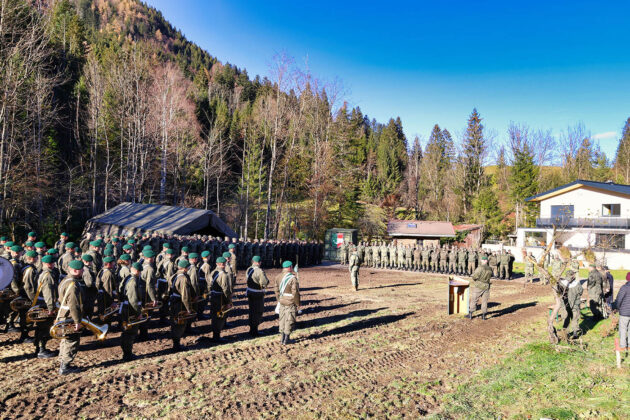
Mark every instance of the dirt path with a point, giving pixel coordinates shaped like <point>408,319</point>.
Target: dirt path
<point>388,348</point>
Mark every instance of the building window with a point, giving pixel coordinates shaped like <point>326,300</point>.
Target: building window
<point>561,214</point>
<point>535,238</point>
<point>610,241</point>
<point>611,210</point>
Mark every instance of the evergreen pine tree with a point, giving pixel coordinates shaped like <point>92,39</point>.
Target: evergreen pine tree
<point>622,159</point>
<point>523,181</point>
<point>474,150</point>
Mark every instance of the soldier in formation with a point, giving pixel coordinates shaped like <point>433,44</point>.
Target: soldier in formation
<point>100,279</point>
<point>444,259</point>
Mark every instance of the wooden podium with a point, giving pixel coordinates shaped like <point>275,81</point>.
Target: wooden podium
<point>458,295</point>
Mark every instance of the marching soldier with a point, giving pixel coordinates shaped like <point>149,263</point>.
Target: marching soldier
<point>60,245</point>
<point>529,268</point>
<point>182,297</point>
<point>354,264</point>
<point>472,261</point>
<point>572,300</point>
<point>256,283</point>
<point>452,260</point>
<point>288,296</point>
<point>230,271</point>
<point>70,308</point>
<point>29,283</point>
<point>106,285</point>
<point>46,291</point>
<point>594,286</point>
<point>131,309</point>
<point>232,251</point>
<point>17,286</point>
<point>220,291</point>
<point>416,258</point>
<point>166,274</point>
<point>480,288</point>
<point>88,285</point>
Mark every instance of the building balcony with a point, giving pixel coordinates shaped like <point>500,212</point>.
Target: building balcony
<point>591,222</point>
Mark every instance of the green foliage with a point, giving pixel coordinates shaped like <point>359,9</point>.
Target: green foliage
<point>486,211</point>
<point>622,158</point>
<point>391,155</point>
<point>473,153</point>
<point>523,180</point>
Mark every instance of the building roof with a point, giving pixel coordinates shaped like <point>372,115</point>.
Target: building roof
<point>420,229</point>
<point>579,183</point>
<point>163,219</point>
<point>466,227</point>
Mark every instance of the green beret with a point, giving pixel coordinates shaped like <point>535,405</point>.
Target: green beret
<point>125,257</point>
<point>108,259</point>
<point>48,259</point>
<point>29,243</point>
<point>148,253</point>
<point>146,247</point>
<point>17,248</point>
<point>70,245</point>
<point>169,251</point>
<point>31,254</point>
<point>95,243</point>
<point>221,260</point>
<point>484,258</point>
<point>75,264</point>
<point>32,234</point>
<point>109,246</point>
<point>131,241</point>
<point>287,264</point>
<point>64,234</point>
<point>185,249</point>
<point>183,264</point>
<point>87,257</point>
<point>193,255</point>
<point>227,255</point>
<point>9,244</point>
<point>205,254</point>
<point>166,245</point>
<point>231,246</point>
<point>3,238</point>
<point>40,245</point>
<point>137,266</point>
<point>114,240</point>
<point>127,246</point>
<point>256,258</point>
<point>108,252</point>
<point>52,251</point>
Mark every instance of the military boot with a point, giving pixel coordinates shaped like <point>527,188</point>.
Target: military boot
<point>176,346</point>
<point>287,340</point>
<point>282,338</point>
<point>45,354</point>
<point>67,369</point>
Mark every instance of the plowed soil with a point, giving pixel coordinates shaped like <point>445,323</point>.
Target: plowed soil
<point>389,349</point>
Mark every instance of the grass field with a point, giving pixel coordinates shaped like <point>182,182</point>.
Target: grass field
<point>538,381</point>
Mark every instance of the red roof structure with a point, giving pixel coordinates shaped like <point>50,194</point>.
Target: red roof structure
<point>420,229</point>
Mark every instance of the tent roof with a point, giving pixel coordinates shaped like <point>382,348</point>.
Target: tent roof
<point>163,219</point>
<point>420,229</point>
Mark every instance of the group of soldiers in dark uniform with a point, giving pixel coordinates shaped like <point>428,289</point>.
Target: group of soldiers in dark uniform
<point>140,275</point>
<point>435,259</point>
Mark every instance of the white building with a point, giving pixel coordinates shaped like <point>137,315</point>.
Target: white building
<point>586,214</point>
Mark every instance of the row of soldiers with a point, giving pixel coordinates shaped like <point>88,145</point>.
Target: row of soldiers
<point>88,280</point>
<point>271,252</point>
<point>438,259</point>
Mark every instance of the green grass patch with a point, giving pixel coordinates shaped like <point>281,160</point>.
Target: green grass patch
<point>539,381</point>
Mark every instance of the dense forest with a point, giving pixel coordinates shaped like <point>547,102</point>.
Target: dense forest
<point>103,101</point>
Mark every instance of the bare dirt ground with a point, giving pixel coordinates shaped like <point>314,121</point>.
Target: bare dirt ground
<point>387,350</point>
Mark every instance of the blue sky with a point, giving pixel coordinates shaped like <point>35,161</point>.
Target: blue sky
<point>549,64</point>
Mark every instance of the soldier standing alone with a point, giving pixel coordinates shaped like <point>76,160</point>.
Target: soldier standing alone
<point>480,288</point>
<point>354,269</point>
